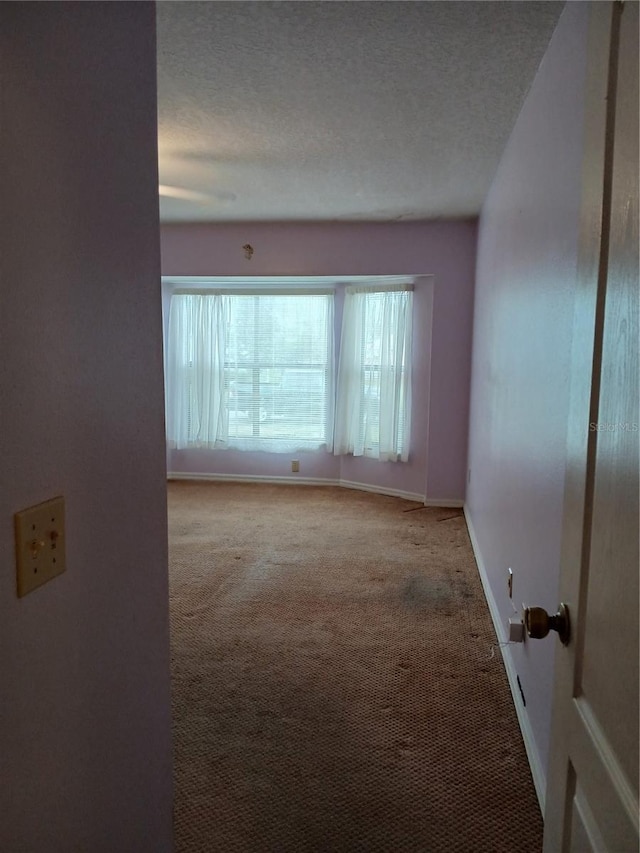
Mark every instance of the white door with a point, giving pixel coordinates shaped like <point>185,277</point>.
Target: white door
<point>592,795</point>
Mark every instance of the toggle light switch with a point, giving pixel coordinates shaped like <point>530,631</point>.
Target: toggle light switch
<point>40,546</point>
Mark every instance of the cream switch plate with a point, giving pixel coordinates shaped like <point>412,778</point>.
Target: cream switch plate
<point>40,549</point>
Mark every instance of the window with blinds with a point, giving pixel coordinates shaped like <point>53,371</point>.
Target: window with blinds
<point>251,371</point>
<point>250,366</point>
<point>279,371</point>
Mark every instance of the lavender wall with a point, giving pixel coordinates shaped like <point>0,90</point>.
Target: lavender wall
<point>527,254</point>
<point>445,249</point>
<point>85,759</point>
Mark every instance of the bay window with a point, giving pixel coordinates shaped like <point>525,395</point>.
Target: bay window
<point>253,369</point>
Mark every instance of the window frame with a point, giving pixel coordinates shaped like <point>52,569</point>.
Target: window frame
<point>298,285</point>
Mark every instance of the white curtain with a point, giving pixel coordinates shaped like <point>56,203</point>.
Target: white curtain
<point>373,406</point>
<point>250,371</point>
<point>196,410</point>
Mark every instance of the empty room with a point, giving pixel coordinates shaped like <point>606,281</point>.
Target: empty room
<point>320,404</point>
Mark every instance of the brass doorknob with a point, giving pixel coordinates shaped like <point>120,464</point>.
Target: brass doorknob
<point>538,623</point>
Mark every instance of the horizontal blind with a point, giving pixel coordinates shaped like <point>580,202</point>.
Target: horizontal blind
<point>279,371</point>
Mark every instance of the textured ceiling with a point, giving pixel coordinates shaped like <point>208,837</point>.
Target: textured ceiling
<point>339,110</point>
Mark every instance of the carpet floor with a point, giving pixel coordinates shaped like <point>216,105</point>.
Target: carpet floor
<point>336,685</point>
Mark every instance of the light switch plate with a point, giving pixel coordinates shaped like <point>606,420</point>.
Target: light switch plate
<point>40,544</point>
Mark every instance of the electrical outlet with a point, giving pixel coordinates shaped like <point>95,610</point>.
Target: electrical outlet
<point>295,466</point>
<point>510,583</point>
<point>40,546</point>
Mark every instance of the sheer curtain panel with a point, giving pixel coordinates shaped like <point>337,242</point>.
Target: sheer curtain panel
<point>373,406</point>
<point>196,410</point>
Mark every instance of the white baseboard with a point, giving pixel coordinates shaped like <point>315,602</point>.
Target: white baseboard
<point>447,503</point>
<point>381,490</point>
<point>537,772</point>
<point>295,479</point>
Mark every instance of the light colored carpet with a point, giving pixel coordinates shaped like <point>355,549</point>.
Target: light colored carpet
<point>334,682</point>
